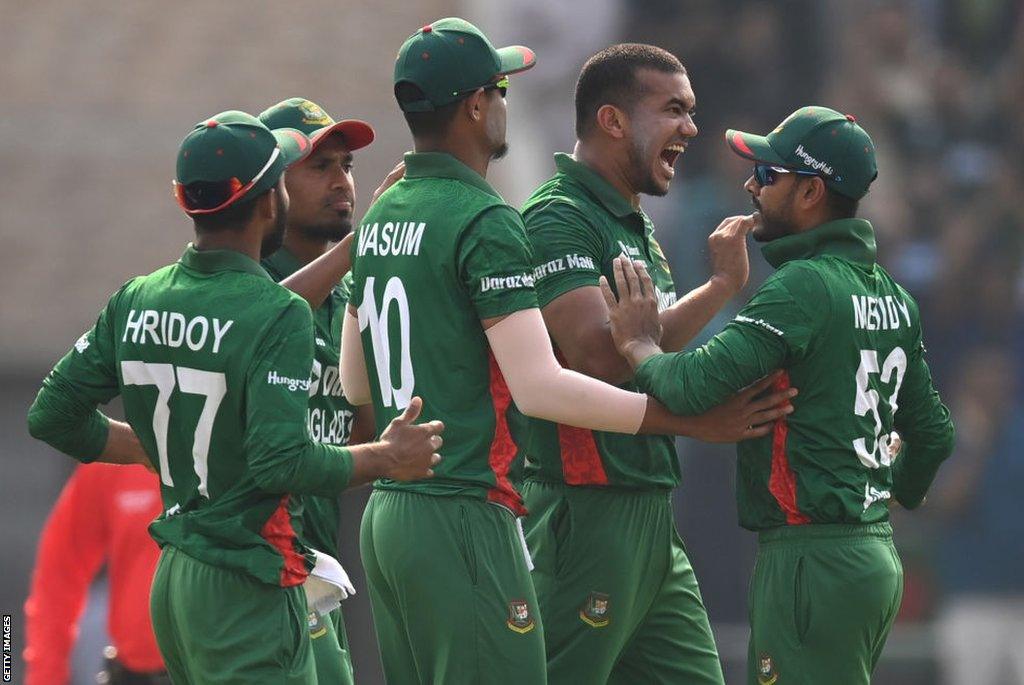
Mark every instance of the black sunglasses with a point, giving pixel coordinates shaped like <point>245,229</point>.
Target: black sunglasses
<point>767,174</point>
<point>501,85</point>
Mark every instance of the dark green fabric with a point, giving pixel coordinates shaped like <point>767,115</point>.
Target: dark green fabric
<point>849,338</point>
<point>216,626</point>
<point>445,608</point>
<point>578,223</point>
<point>619,598</point>
<point>822,601</point>
<point>212,360</point>
<point>437,253</point>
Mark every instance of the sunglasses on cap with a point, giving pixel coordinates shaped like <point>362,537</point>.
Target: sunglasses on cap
<point>207,197</point>
<point>501,85</point>
<point>767,174</point>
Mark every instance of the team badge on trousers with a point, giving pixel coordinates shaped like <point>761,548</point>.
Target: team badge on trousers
<point>594,611</point>
<point>519,619</point>
<point>766,674</point>
<point>317,627</point>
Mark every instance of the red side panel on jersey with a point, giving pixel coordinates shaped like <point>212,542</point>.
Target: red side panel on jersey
<point>581,461</point>
<point>279,533</point>
<point>503,449</point>
<point>782,481</point>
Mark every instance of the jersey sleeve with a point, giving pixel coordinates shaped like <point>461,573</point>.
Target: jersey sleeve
<point>926,429</point>
<point>495,264</point>
<point>281,455</point>
<point>773,329</point>
<point>64,413</point>
<point>72,547</point>
<point>567,251</point>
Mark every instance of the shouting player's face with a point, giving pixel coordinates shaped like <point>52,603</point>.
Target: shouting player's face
<point>776,206</point>
<point>322,192</point>
<point>273,239</point>
<point>660,127</point>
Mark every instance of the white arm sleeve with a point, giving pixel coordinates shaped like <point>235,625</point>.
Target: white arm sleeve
<point>355,382</point>
<point>543,389</point>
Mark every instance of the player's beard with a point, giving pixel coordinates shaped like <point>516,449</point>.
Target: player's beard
<point>332,232</point>
<point>272,241</point>
<point>775,224</point>
<point>500,151</point>
<point>641,164</point>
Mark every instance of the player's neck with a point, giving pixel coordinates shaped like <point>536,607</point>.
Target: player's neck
<point>606,166</point>
<point>302,247</point>
<point>477,160</point>
<point>236,241</point>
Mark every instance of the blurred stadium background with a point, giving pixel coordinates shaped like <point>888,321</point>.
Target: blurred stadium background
<point>97,95</point>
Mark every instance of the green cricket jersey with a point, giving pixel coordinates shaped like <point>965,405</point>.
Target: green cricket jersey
<point>438,252</point>
<point>212,361</point>
<point>849,337</point>
<point>329,414</point>
<point>577,224</point>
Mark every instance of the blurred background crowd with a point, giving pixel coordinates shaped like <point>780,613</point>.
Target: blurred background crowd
<point>98,95</point>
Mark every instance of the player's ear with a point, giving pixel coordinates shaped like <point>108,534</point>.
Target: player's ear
<point>474,104</point>
<point>613,121</point>
<point>814,191</point>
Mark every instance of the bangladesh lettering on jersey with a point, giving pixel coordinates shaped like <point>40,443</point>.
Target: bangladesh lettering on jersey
<point>849,337</point>
<point>329,415</point>
<point>577,224</point>
<point>436,254</point>
<point>212,361</point>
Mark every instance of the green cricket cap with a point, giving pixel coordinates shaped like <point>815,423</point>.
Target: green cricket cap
<point>230,158</point>
<point>450,58</point>
<point>816,139</point>
<point>301,118</point>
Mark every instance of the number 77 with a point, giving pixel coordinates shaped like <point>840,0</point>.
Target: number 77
<point>211,384</point>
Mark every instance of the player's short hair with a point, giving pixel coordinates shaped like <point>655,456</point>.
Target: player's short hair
<point>432,124</point>
<point>232,216</point>
<point>840,206</point>
<point>610,78</point>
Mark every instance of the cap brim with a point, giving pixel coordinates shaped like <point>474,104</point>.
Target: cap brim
<point>753,147</point>
<point>295,145</point>
<point>357,134</point>
<point>516,58</point>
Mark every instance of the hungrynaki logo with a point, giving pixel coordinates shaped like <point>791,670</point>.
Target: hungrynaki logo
<point>812,162</point>
<point>273,378</point>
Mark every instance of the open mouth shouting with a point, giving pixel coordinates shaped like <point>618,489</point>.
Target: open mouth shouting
<point>669,156</point>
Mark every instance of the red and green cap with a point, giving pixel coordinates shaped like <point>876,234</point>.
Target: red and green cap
<point>228,159</point>
<point>306,123</point>
<point>816,139</point>
<point>450,58</point>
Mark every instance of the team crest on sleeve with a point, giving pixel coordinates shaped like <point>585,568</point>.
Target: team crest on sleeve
<point>83,343</point>
<point>766,674</point>
<point>519,618</point>
<point>595,611</point>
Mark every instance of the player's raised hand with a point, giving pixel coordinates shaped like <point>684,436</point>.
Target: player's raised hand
<point>410,449</point>
<point>635,324</point>
<point>746,414</point>
<point>391,179</point>
<point>728,247</point>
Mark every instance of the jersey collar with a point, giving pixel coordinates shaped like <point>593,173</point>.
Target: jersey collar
<point>282,262</point>
<point>603,191</point>
<point>443,165</point>
<point>212,261</point>
<point>852,239</point>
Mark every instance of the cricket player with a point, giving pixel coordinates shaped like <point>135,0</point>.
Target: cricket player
<point>632,612</point>
<point>321,194</point>
<point>211,359</point>
<point>443,305</point>
<point>828,581</point>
